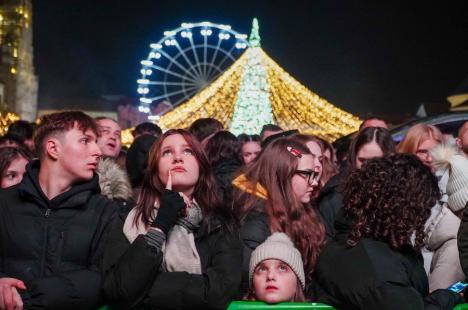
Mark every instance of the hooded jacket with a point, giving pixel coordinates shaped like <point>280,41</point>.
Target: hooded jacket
<point>371,275</point>
<point>54,246</point>
<point>114,183</point>
<point>442,240</point>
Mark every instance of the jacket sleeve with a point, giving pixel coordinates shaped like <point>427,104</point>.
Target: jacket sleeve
<point>213,289</point>
<point>78,289</point>
<point>254,231</point>
<point>129,269</point>
<point>445,267</point>
<point>390,296</point>
<point>463,241</point>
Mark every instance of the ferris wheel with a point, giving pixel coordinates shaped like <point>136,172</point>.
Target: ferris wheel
<point>185,60</point>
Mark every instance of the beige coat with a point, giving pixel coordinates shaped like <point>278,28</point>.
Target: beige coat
<point>442,240</point>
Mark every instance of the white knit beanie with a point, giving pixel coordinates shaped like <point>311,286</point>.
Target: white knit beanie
<point>447,157</point>
<point>278,246</point>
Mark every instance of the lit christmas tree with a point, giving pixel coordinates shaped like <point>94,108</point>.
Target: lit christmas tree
<point>255,91</point>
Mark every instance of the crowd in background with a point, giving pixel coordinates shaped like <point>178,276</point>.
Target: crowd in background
<point>196,218</point>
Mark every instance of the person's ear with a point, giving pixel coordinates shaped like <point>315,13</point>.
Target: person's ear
<point>53,147</point>
<point>458,142</point>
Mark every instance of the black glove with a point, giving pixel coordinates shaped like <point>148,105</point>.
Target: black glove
<point>171,206</point>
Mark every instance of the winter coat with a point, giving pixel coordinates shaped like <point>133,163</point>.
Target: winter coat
<point>224,173</point>
<point>54,246</point>
<point>371,275</point>
<point>134,280</point>
<point>330,201</point>
<point>462,238</point>
<point>114,184</point>
<point>442,240</point>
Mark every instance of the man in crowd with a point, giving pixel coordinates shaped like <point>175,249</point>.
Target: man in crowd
<point>269,130</point>
<point>109,140</point>
<point>53,224</point>
<point>462,139</point>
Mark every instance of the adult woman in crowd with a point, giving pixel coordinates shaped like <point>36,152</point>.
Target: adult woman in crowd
<point>250,147</point>
<point>369,143</point>
<point>373,262</point>
<point>442,227</point>
<point>178,248</point>
<point>13,161</point>
<point>222,151</point>
<point>272,196</point>
<point>419,140</point>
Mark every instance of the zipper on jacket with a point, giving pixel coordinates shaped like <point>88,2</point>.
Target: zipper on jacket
<point>44,243</point>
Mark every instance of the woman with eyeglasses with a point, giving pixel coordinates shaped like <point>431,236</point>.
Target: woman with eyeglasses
<point>369,143</point>
<point>272,196</point>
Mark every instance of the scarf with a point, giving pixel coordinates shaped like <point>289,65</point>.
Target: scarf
<point>179,251</point>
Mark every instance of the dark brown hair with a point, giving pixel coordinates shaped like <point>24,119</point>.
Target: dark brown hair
<point>202,128</point>
<point>58,123</point>
<point>380,136</point>
<point>8,154</point>
<point>222,146</point>
<point>389,199</point>
<point>274,169</point>
<point>205,192</point>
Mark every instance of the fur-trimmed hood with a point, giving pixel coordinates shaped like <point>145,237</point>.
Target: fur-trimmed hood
<point>113,180</point>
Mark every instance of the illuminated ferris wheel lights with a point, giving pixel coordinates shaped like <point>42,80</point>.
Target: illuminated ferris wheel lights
<point>224,36</point>
<point>206,32</point>
<point>146,62</point>
<point>225,27</point>
<point>241,45</point>
<point>146,71</point>
<point>241,36</point>
<point>143,91</point>
<point>143,81</point>
<point>186,34</point>
<point>205,24</point>
<point>145,100</point>
<point>143,109</point>
<point>170,33</point>
<point>170,42</point>
<point>155,46</point>
<point>154,55</point>
<point>187,25</point>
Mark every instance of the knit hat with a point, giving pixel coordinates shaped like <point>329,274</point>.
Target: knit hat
<point>278,246</point>
<point>447,158</point>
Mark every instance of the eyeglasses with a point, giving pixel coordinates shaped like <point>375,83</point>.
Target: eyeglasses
<point>311,176</point>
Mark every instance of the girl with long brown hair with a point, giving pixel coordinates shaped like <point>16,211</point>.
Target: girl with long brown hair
<point>272,196</point>
<point>178,248</point>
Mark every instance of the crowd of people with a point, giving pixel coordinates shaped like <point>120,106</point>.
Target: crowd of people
<point>196,218</point>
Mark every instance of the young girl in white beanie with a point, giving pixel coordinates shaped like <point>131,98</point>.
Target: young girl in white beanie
<point>276,271</point>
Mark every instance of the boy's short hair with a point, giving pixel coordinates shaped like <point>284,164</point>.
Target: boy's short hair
<point>57,123</point>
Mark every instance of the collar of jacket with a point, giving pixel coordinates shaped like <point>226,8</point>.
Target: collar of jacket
<point>76,196</point>
<point>245,185</point>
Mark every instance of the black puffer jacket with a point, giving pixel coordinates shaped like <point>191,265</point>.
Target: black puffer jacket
<point>371,275</point>
<point>54,246</point>
<point>330,201</point>
<point>134,280</point>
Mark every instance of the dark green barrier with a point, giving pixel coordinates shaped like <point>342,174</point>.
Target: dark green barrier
<point>461,307</point>
<point>259,305</point>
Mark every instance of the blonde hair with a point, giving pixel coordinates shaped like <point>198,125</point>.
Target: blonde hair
<point>416,135</point>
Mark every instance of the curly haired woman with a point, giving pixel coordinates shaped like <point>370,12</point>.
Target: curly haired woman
<point>373,262</point>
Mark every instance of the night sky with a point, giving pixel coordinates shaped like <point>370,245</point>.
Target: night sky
<point>364,56</point>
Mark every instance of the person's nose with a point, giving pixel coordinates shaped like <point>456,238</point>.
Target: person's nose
<point>271,275</point>
<point>96,150</point>
<point>177,157</point>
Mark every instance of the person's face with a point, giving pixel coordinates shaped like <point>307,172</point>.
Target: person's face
<point>274,281</point>
<point>14,172</point>
<point>177,156</point>
<point>315,149</point>
<point>366,152</point>
<point>305,180</point>
<point>78,154</point>
<point>250,151</point>
<point>424,151</point>
<point>109,140</point>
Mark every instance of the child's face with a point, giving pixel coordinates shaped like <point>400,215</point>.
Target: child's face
<point>274,281</point>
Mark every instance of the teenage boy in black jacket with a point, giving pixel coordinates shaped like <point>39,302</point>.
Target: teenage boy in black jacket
<point>53,224</point>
